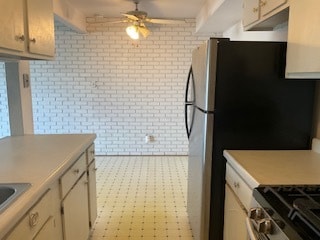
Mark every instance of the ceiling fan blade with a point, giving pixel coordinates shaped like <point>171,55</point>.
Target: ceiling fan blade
<point>165,21</point>
<point>102,19</point>
<point>132,17</point>
<point>144,31</point>
<point>122,21</point>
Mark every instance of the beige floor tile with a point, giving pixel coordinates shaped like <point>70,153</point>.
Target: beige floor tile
<point>141,198</point>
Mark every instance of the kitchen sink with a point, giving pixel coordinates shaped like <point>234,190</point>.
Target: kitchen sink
<point>9,192</point>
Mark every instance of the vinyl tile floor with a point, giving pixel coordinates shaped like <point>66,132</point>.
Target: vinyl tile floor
<point>142,197</point>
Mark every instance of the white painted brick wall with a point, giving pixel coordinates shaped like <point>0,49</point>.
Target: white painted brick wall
<point>102,82</point>
<point>4,115</point>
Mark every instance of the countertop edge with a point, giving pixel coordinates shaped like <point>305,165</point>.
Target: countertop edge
<point>252,183</point>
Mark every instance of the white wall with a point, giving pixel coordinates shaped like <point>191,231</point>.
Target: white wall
<point>103,83</point>
<point>4,112</point>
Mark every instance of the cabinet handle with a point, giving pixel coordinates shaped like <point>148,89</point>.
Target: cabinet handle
<point>236,184</point>
<point>33,40</point>
<point>20,38</point>
<point>33,219</point>
<point>76,171</point>
<point>263,3</point>
<point>255,10</point>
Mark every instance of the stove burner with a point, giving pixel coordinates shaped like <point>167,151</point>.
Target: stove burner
<point>298,207</point>
<point>307,208</point>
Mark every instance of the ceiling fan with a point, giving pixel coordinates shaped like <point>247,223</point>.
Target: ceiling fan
<point>137,20</point>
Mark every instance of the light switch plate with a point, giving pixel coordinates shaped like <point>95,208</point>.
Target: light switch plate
<point>26,80</point>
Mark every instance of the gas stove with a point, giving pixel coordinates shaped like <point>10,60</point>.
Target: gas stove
<point>287,212</point>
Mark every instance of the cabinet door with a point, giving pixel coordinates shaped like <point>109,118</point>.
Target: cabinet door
<point>75,211</point>
<point>92,193</point>
<point>250,11</point>
<point>268,6</point>
<point>35,220</point>
<point>303,52</point>
<point>12,25</point>
<point>234,218</point>
<point>47,232</point>
<point>40,27</point>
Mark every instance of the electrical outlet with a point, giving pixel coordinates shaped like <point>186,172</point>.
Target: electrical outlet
<point>149,138</point>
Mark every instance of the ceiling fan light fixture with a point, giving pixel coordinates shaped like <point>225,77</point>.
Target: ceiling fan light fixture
<point>133,32</point>
<point>138,18</point>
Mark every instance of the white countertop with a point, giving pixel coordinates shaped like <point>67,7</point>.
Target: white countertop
<point>279,167</point>
<point>39,160</point>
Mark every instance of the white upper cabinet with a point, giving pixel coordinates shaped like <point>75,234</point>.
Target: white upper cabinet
<point>303,52</point>
<point>251,12</point>
<point>11,25</point>
<point>41,27</point>
<point>303,17</point>
<point>267,6</point>
<point>26,29</point>
<point>264,14</point>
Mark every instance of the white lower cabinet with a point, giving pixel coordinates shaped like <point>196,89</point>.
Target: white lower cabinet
<point>92,193</point>
<point>238,200</point>
<point>67,210</point>
<point>37,222</point>
<point>47,231</point>
<point>79,197</point>
<point>75,211</point>
<point>234,218</point>
<point>75,202</point>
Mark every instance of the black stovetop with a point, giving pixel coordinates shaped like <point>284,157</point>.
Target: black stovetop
<point>295,209</point>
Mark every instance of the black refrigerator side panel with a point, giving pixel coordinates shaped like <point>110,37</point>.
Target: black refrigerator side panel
<point>255,108</point>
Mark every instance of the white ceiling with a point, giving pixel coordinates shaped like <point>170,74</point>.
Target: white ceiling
<point>176,9</point>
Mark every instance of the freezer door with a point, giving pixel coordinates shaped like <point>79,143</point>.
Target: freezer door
<point>204,60</point>
<point>199,174</point>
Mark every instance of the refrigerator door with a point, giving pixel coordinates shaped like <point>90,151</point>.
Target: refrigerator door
<point>199,174</point>
<point>204,71</point>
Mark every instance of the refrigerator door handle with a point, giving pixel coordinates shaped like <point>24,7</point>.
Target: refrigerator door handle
<point>188,103</point>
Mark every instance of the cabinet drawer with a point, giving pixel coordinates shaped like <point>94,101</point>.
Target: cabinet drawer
<point>90,154</point>
<point>34,220</point>
<point>72,175</point>
<point>238,185</point>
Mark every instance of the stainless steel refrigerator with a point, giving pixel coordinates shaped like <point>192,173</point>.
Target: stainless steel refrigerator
<point>237,98</point>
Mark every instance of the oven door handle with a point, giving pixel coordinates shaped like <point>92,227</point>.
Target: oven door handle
<point>251,231</point>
